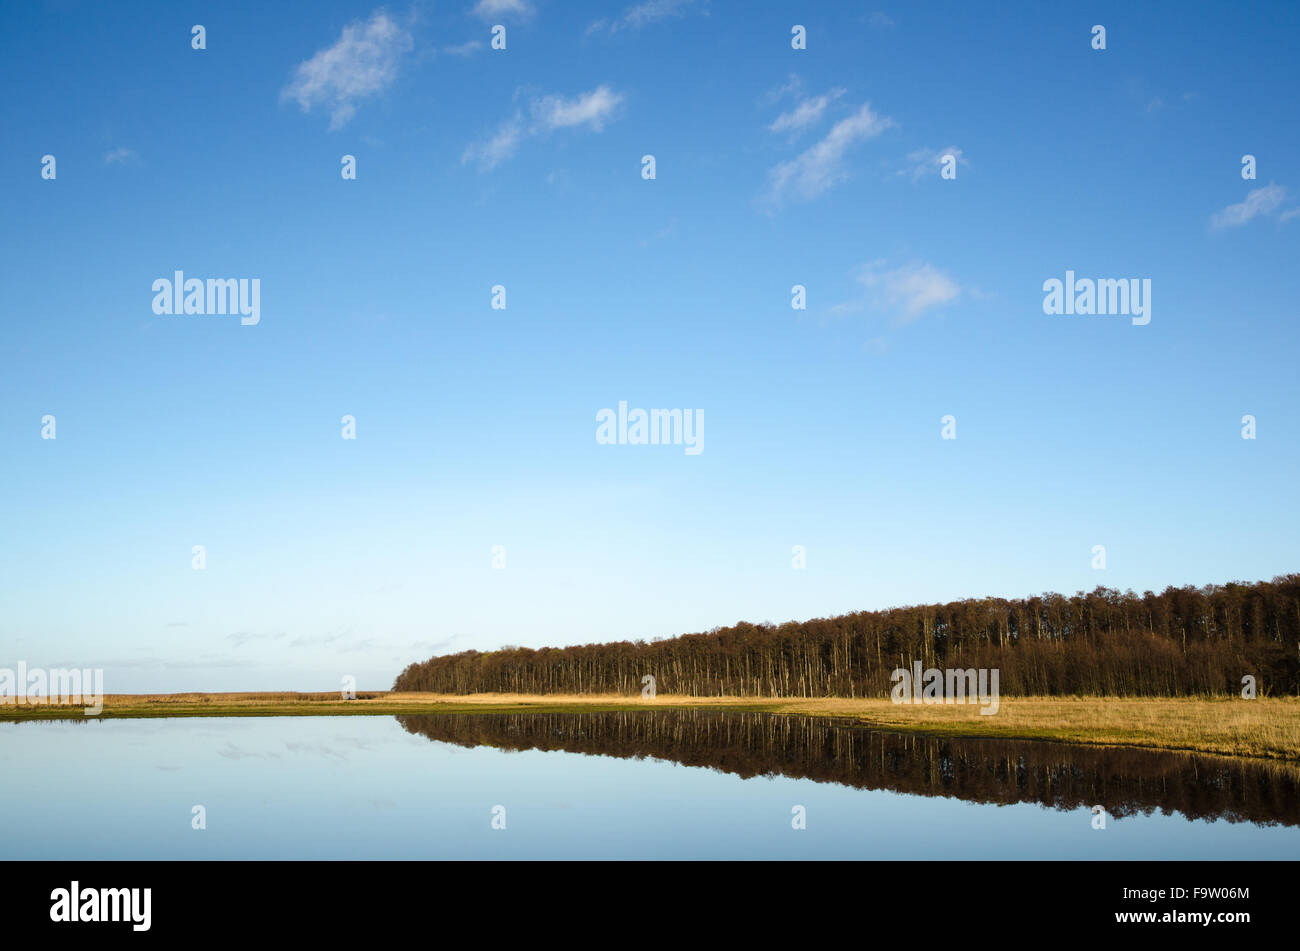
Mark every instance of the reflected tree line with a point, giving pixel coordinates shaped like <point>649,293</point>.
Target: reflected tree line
<point>1183,641</point>
<point>1124,781</point>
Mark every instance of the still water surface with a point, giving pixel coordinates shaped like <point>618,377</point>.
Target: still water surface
<point>666,784</point>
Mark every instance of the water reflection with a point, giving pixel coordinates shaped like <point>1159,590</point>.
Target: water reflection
<point>1126,781</point>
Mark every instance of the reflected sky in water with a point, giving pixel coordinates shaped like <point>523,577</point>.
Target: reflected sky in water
<point>369,787</point>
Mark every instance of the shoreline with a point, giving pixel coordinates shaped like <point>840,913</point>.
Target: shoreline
<point>1267,728</point>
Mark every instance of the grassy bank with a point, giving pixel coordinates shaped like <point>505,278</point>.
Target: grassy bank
<point>1265,727</point>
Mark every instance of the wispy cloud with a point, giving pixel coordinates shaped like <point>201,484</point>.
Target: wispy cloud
<point>240,638</point>
<point>1260,201</point>
<point>328,637</point>
<point>204,662</point>
<point>468,48</point>
<point>363,62</point>
<point>118,156</point>
<point>821,167</point>
<point>591,109</point>
<point>503,144</point>
<point>904,292</point>
<point>923,162</point>
<point>316,640</point>
<point>212,663</point>
<point>496,8</point>
<point>791,87</point>
<point>809,112</point>
<point>548,113</point>
<point>643,14</point>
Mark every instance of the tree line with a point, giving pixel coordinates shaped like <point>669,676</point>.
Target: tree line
<point>1183,641</point>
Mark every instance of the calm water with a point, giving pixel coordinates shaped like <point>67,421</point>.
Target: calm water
<point>670,784</point>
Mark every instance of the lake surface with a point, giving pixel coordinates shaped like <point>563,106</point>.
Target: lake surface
<point>636,784</point>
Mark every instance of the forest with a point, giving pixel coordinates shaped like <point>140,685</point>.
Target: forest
<point>1183,641</point>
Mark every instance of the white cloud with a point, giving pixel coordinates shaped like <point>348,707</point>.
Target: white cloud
<point>807,113</point>
<point>464,49</point>
<point>923,162</point>
<point>496,8</point>
<point>497,149</point>
<point>1260,201</point>
<point>907,291</point>
<point>118,156</point>
<point>791,86</point>
<point>590,108</point>
<point>362,63</point>
<point>818,169</point>
<point>549,113</point>
<point>643,14</point>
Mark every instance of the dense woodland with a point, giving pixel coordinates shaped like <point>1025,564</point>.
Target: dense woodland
<point>1183,641</point>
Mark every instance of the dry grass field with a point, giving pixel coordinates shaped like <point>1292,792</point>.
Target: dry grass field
<point>1265,727</point>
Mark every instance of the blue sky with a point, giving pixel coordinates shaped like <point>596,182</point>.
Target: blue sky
<point>475,427</point>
